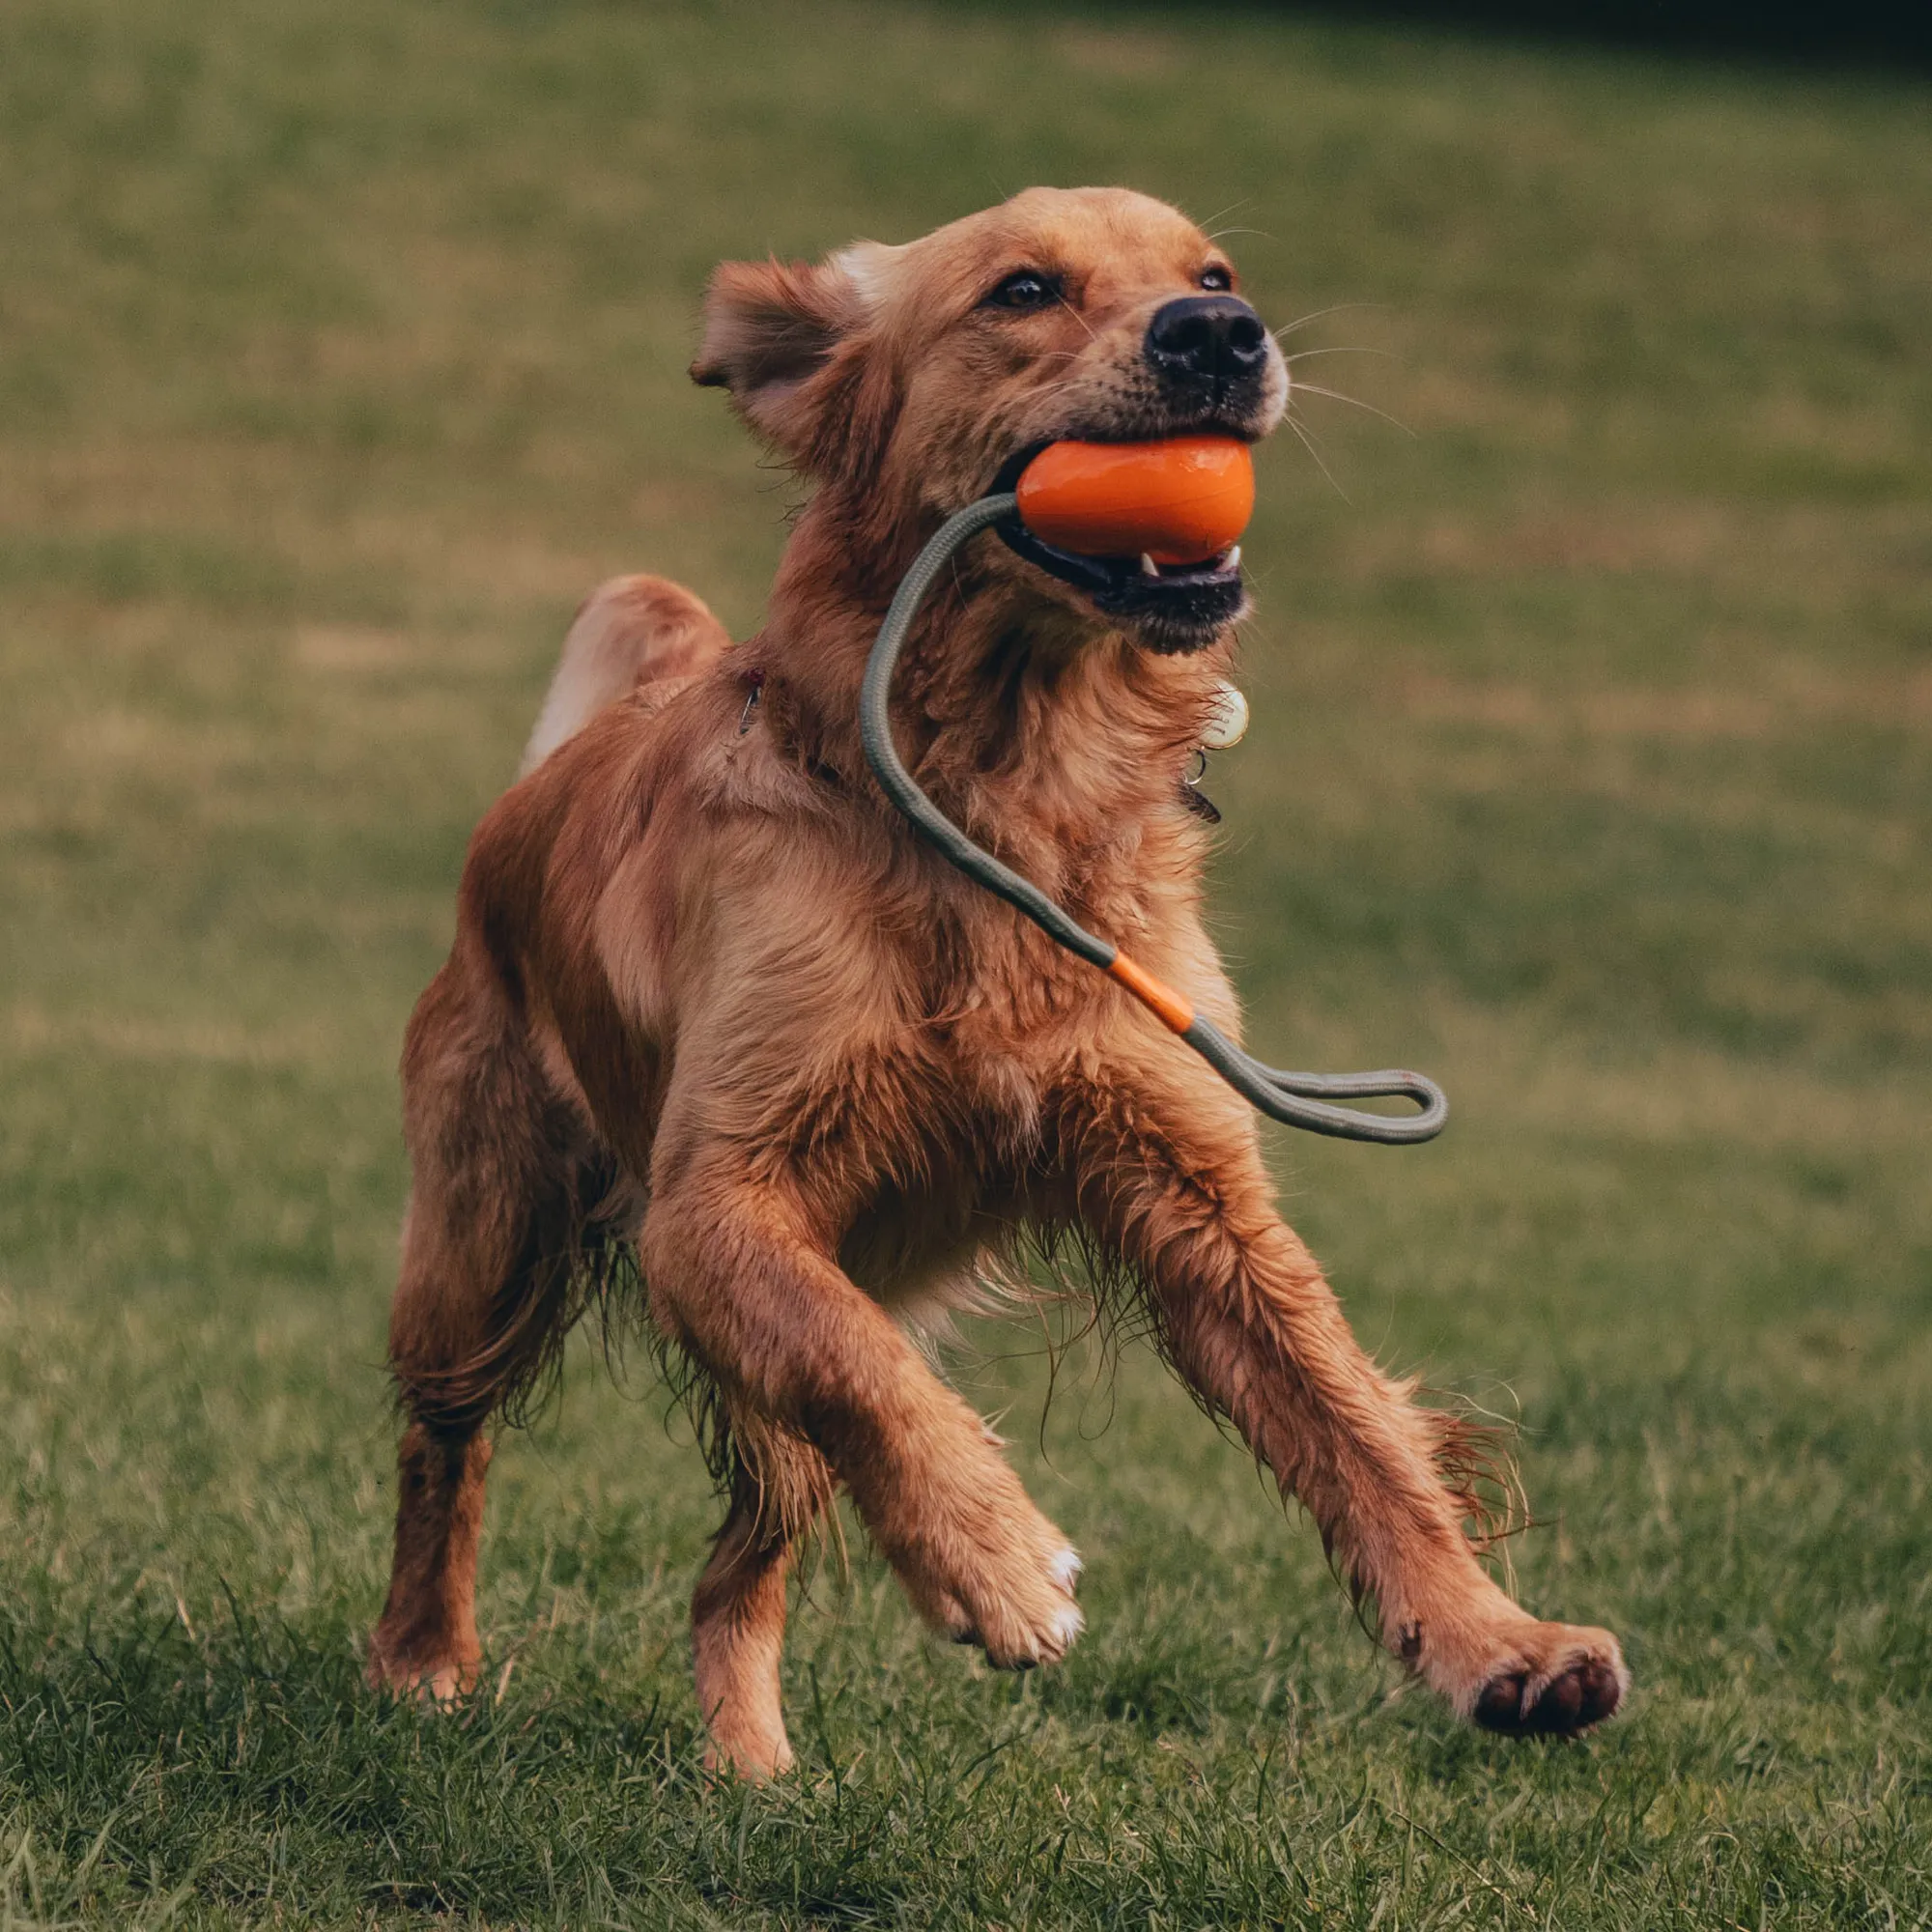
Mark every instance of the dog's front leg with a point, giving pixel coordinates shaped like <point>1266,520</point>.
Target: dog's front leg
<point>741,1277</point>
<point>1168,1176</point>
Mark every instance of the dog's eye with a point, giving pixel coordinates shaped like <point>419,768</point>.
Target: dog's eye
<point>1027,289</point>
<point>1220,280</point>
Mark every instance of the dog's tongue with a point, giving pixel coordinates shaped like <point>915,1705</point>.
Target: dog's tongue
<point>1182,501</point>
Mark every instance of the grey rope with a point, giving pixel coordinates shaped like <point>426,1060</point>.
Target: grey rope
<point>1296,1100</point>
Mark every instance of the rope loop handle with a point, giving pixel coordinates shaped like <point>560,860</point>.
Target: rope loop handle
<point>1303,1101</point>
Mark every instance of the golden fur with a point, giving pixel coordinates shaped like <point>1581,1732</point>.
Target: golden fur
<point>709,996</point>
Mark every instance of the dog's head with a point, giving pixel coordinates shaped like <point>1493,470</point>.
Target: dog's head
<point>922,375</point>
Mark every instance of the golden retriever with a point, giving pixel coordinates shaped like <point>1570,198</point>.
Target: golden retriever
<point>713,1006</point>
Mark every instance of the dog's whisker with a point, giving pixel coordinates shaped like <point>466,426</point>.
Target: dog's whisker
<point>1316,315</point>
<point>1222,213</point>
<point>1340,349</point>
<point>1308,443</point>
<point>1336,396</point>
<point>1307,427</point>
<point>1078,317</point>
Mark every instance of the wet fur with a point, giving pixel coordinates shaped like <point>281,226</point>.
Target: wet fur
<point>711,1006</point>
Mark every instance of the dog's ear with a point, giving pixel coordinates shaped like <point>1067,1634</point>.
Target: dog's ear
<point>783,338</point>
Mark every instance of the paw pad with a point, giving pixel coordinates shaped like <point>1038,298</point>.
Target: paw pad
<point>1587,1692</point>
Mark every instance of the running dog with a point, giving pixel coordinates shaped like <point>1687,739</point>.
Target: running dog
<point>712,1005</point>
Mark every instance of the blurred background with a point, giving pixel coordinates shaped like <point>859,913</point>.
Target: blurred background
<point>342,350</point>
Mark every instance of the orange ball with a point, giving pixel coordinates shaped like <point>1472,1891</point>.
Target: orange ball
<point>1179,500</point>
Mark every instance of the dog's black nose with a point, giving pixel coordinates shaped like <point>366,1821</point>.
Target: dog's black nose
<point>1214,340</point>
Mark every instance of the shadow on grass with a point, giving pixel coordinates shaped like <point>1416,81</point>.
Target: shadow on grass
<point>1863,35</point>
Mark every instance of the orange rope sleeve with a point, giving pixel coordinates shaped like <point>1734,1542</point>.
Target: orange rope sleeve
<point>1161,1000</point>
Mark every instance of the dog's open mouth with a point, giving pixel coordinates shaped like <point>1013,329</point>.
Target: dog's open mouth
<point>1170,607</point>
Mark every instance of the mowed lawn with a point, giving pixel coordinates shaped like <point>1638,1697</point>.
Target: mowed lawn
<point>342,350</point>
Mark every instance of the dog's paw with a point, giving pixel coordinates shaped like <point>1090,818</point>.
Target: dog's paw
<point>439,1681</point>
<point>1557,1680</point>
<point>1012,1595</point>
<point>754,1752</point>
<point>1019,1630</point>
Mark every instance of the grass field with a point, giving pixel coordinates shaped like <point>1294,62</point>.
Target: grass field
<point>341,349</point>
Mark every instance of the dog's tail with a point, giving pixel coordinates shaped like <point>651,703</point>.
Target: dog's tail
<point>630,631</point>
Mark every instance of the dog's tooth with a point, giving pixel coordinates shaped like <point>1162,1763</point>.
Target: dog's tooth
<point>1148,567</point>
<point>1232,559</point>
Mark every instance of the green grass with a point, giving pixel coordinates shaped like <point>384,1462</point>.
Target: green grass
<point>341,349</point>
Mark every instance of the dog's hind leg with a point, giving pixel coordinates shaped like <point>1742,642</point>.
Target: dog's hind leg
<point>483,1291</point>
<point>738,1613</point>
<point>630,630</point>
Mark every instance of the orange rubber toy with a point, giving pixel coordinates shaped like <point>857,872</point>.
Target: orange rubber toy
<point>1181,500</point>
